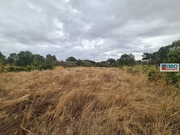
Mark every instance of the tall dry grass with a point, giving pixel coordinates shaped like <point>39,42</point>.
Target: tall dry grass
<point>86,101</point>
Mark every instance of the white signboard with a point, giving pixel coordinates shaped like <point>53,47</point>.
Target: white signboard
<point>169,67</point>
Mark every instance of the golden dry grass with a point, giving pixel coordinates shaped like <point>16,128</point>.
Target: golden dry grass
<point>86,101</point>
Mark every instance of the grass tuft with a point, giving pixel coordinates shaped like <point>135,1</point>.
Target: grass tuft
<point>87,101</point>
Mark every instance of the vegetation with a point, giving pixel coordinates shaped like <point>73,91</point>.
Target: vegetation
<point>87,101</point>
<point>155,75</point>
<point>170,53</point>
<point>135,99</point>
<point>127,60</point>
<point>26,61</point>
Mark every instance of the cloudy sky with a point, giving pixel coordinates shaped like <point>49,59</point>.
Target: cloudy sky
<point>88,29</point>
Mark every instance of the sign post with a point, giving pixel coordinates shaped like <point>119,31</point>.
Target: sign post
<point>169,67</point>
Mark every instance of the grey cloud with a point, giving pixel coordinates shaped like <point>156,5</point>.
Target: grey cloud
<point>59,27</point>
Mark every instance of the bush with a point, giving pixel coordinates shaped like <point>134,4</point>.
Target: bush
<point>100,64</point>
<point>146,69</point>
<point>135,69</point>
<point>9,68</point>
<point>1,68</point>
<point>138,69</point>
<point>31,68</point>
<point>46,67</point>
<point>66,64</point>
<point>172,78</point>
<point>154,75</point>
<point>28,68</point>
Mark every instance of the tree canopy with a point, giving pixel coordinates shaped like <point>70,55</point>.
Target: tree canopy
<point>169,53</point>
<point>28,60</point>
<point>110,61</point>
<point>71,59</point>
<point>127,59</point>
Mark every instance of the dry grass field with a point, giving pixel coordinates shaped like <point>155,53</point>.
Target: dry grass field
<point>86,101</point>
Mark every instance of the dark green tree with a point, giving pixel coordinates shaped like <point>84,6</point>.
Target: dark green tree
<point>101,64</point>
<point>50,62</point>
<point>176,44</point>
<point>173,56</point>
<point>147,56</point>
<point>71,59</point>
<point>127,59</point>
<point>90,61</point>
<point>86,63</point>
<point>12,58</point>
<point>38,60</point>
<point>79,62</point>
<point>24,58</point>
<point>50,58</point>
<point>110,61</point>
<point>163,54</point>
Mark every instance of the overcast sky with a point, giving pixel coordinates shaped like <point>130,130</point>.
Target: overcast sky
<point>88,29</point>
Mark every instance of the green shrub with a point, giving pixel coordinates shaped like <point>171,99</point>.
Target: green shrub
<point>138,69</point>
<point>134,70</point>
<point>1,68</point>
<point>46,67</point>
<point>172,78</point>
<point>154,75</point>
<point>18,69</point>
<point>15,69</point>
<point>146,69</point>
<point>28,68</point>
<point>10,68</point>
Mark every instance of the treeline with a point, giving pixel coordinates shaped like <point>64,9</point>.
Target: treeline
<point>166,54</point>
<point>27,61</point>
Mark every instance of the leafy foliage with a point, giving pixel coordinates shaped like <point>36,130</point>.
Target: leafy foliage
<point>12,58</point>
<point>71,59</point>
<point>2,59</point>
<point>170,53</point>
<point>29,61</point>
<point>127,60</point>
<point>173,56</point>
<point>111,61</point>
<point>154,75</point>
<point>24,58</point>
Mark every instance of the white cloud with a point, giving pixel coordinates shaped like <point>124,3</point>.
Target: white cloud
<point>95,29</point>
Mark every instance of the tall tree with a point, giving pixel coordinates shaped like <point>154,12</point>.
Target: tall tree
<point>12,58</point>
<point>91,61</point>
<point>71,59</point>
<point>38,60</point>
<point>79,62</point>
<point>110,61</point>
<point>50,58</point>
<point>24,58</point>
<point>162,54</point>
<point>147,56</point>
<point>176,44</point>
<point>173,56</point>
<point>127,59</point>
